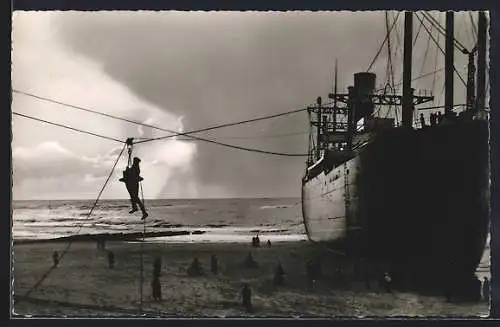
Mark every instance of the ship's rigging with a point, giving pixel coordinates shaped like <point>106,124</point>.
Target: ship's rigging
<point>335,127</point>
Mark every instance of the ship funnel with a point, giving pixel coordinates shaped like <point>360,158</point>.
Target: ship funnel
<point>364,86</point>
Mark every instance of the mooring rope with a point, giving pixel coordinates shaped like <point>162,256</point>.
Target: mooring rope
<point>47,273</point>
<point>142,253</point>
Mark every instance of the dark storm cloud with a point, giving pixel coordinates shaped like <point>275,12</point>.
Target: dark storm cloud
<point>214,68</point>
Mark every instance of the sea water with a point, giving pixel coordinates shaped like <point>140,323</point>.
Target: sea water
<point>218,220</point>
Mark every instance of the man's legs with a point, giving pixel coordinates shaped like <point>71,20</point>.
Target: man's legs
<point>132,191</point>
<point>136,200</point>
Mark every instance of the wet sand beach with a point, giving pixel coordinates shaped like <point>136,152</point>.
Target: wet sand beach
<point>84,285</point>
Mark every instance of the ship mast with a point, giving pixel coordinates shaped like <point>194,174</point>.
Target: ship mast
<point>471,69</point>
<point>318,129</point>
<point>334,116</point>
<point>481,62</point>
<point>448,64</point>
<point>407,101</point>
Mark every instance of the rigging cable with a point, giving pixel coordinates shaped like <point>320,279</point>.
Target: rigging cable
<point>398,42</point>
<point>414,79</point>
<point>418,32</point>
<point>174,134</point>
<point>390,68</point>
<point>98,112</point>
<point>442,30</point>
<point>224,125</point>
<point>67,127</point>
<point>142,252</point>
<point>415,116</point>
<point>474,30</point>
<point>425,54</point>
<point>383,43</point>
<point>47,273</point>
<point>441,49</point>
<point>435,66</point>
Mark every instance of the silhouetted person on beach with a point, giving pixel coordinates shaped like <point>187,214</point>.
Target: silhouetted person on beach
<point>101,244</point>
<point>214,265</point>
<point>486,290</point>
<point>279,276</point>
<point>157,268</point>
<point>246,295</point>
<point>256,241</point>
<point>312,273</point>
<point>195,268</point>
<point>268,243</point>
<point>156,288</point>
<point>250,261</point>
<point>111,259</point>
<point>131,177</point>
<point>387,282</point>
<point>55,258</point>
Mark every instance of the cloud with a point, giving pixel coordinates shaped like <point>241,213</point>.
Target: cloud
<point>49,168</point>
<point>50,159</point>
<point>220,67</point>
<point>46,158</point>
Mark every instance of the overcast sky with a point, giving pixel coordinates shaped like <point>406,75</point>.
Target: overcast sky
<point>182,71</point>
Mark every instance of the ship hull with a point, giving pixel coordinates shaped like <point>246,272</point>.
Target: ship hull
<point>415,200</point>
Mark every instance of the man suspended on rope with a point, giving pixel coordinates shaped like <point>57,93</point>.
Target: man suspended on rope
<point>132,178</point>
<point>133,187</point>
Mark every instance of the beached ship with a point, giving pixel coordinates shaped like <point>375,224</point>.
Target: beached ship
<point>413,196</point>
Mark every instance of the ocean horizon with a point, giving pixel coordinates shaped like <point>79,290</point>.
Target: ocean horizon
<point>220,219</point>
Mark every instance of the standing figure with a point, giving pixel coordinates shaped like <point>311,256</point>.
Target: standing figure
<point>214,265</point>
<point>156,288</point>
<point>157,268</point>
<point>55,258</point>
<point>111,259</point>
<point>422,120</point>
<point>195,269</point>
<point>101,244</point>
<point>246,295</point>
<point>279,275</point>
<point>387,282</point>
<point>311,273</point>
<point>132,178</point>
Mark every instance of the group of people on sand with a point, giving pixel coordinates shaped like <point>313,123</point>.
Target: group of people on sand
<point>256,242</point>
<point>195,269</point>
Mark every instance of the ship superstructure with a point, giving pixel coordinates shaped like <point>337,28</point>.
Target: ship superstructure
<point>411,195</point>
